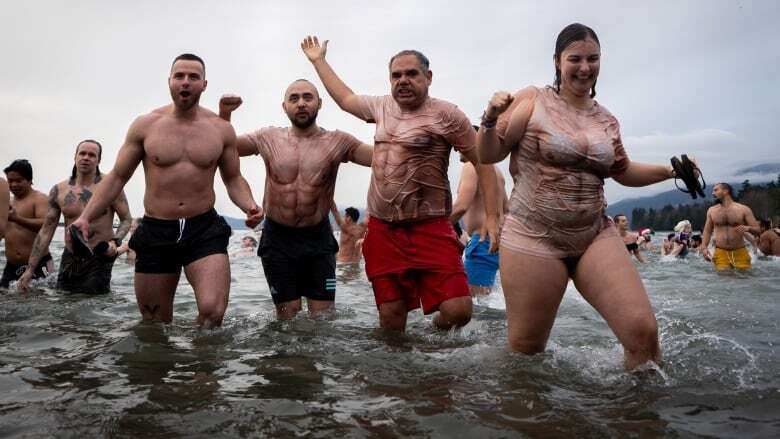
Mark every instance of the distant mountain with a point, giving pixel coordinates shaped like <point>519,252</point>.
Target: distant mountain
<point>673,197</point>
<point>764,168</point>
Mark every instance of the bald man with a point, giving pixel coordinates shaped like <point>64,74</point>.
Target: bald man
<point>297,246</point>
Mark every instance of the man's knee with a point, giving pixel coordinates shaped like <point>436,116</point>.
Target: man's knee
<point>526,343</point>
<point>288,310</point>
<point>644,335</point>
<point>456,312</point>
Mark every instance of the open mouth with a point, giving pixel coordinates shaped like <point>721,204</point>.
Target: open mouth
<point>185,94</point>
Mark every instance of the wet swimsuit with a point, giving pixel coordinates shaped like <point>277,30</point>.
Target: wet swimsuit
<point>165,246</point>
<point>13,272</point>
<point>632,246</point>
<point>739,258</point>
<point>557,206</point>
<point>416,262</point>
<point>88,275</point>
<point>480,264</point>
<point>299,261</point>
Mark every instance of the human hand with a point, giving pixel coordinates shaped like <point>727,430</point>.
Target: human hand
<point>490,231</point>
<point>82,225</point>
<point>12,214</point>
<point>498,104</point>
<point>228,103</point>
<point>23,284</point>
<point>705,252</point>
<point>254,216</point>
<point>312,49</point>
<point>112,249</point>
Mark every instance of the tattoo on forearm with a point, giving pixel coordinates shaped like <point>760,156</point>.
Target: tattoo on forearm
<point>123,228</point>
<point>122,210</point>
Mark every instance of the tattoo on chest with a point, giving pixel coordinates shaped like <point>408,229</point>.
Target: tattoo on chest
<point>85,196</point>
<point>70,198</point>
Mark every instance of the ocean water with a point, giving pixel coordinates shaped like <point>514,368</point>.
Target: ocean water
<point>79,366</point>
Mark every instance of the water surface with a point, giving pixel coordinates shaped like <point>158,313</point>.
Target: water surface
<point>74,365</point>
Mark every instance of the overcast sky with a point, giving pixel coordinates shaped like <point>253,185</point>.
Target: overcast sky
<point>695,77</point>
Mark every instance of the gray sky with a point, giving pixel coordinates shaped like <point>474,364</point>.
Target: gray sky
<point>695,77</point>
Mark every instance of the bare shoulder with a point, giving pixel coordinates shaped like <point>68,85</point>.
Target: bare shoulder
<point>40,197</point>
<point>142,123</point>
<point>225,127</point>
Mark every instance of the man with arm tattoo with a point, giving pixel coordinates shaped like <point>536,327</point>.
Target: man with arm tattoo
<point>81,273</point>
<point>25,218</point>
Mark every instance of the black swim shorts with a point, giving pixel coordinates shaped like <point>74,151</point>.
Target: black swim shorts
<point>12,272</point>
<point>299,261</point>
<point>165,246</point>
<point>90,275</point>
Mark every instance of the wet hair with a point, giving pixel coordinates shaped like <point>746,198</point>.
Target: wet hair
<point>618,216</point>
<point>766,224</point>
<point>728,188</point>
<point>696,238</point>
<point>570,34</point>
<point>21,167</point>
<point>352,213</point>
<point>100,154</point>
<point>422,59</point>
<point>670,236</point>
<point>190,57</point>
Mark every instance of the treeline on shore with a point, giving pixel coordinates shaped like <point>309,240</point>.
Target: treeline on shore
<point>763,199</point>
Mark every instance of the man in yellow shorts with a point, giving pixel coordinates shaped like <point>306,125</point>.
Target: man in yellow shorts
<point>727,223</point>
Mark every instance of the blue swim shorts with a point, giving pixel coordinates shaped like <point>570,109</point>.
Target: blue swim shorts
<point>481,266</point>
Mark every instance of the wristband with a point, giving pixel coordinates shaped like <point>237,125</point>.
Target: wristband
<point>487,123</point>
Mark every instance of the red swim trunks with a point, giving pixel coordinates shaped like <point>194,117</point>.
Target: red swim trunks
<point>416,262</point>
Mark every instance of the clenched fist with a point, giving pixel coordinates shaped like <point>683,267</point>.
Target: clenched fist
<point>500,101</point>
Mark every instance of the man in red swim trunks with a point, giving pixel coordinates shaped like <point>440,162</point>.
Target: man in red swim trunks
<point>411,251</point>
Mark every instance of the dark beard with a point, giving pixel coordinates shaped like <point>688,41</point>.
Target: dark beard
<point>304,124</point>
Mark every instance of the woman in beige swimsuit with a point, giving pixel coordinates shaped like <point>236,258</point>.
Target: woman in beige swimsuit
<point>563,145</point>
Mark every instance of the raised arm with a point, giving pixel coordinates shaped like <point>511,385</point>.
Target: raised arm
<point>237,188</point>
<point>228,103</point>
<point>130,155</point>
<point>491,146</point>
<point>5,201</point>
<point>467,189</point>
<point>43,238</point>
<point>337,215</point>
<point>345,98</point>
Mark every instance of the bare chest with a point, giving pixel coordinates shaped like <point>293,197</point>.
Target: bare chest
<point>73,199</point>
<point>728,217</point>
<point>198,143</point>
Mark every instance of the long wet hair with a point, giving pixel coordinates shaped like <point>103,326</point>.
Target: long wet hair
<point>100,154</point>
<point>570,34</point>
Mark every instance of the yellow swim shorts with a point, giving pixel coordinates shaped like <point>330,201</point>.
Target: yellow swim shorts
<point>739,258</point>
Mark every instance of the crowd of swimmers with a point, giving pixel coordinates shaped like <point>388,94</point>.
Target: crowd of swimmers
<point>561,145</point>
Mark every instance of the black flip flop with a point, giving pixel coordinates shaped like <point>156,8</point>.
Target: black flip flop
<point>693,170</point>
<point>685,173</point>
<point>79,244</point>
